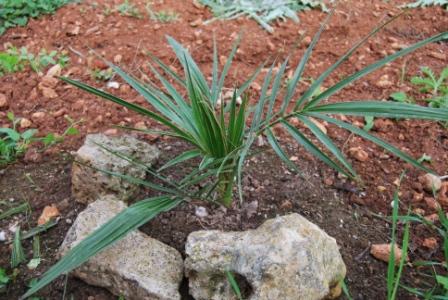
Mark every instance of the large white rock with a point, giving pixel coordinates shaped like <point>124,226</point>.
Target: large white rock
<point>88,182</point>
<point>137,267</point>
<point>286,258</point>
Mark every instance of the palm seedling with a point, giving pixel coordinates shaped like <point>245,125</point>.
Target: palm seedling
<point>221,136</point>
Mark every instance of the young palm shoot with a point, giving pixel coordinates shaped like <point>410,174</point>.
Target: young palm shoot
<point>222,136</point>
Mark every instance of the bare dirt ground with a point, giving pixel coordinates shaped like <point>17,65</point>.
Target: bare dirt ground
<point>346,211</point>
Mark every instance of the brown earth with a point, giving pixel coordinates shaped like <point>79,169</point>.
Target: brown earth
<point>344,210</point>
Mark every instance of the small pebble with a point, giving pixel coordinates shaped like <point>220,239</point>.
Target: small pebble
<point>113,85</point>
<point>2,236</point>
<point>201,212</point>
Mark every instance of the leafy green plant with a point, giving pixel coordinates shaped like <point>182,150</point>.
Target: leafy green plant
<point>14,60</point>
<point>424,3</point>
<point>4,279</point>
<point>369,123</point>
<point>401,97</point>
<point>430,83</point>
<point>9,63</point>
<point>14,144</point>
<point>17,12</point>
<point>437,86</point>
<point>164,16</point>
<point>128,9</point>
<point>222,136</point>
<point>425,158</point>
<point>102,75</point>
<point>262,11</point>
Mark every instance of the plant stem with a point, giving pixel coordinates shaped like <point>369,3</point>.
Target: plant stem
<point>225,188</point>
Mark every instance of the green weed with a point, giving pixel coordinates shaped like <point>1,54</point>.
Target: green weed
<point>428,83</point>
<point>129,10</point>
<point>4,280</point>
<point>425,3</point>
<point>164,16</point>
<point>102,75</point>
<point>13,144</point>
<point>18,12</point>
<point>401,97</point>
<point>15,60</point>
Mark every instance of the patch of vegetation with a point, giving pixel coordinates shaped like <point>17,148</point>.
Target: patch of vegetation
<point>425,3</point>
<point>4,279</point>
<point>436,284</point>
<point>129,10</point>
<point>222,136</point>
<point>18,12</point>
<point>164,16</point>
<point>431,84</point>
<point>401,97</point>
<point>262,11</point>
<point>102,75</point>
<point>436,86</point>
<point>13,144</point>
<point>369,120</point>
<point>15,60</point>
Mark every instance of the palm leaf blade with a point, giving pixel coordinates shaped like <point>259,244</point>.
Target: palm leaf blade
<point>373,139</point>
<point>112,231</point>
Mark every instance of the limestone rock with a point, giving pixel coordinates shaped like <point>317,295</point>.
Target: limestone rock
<point>430,182</point>
<point>89,183</point>
<point>285,258</point>
<point>137,267</point>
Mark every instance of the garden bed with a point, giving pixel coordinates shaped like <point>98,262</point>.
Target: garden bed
<point>347,212</point>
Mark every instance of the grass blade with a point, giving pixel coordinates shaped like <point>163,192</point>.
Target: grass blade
<point>234,285</point>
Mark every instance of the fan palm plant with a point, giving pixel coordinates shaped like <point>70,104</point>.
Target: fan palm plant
<point>222,135</point>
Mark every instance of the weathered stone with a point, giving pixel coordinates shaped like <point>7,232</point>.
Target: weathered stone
<point>88,182</point>
<point>286,258</point>
<point>430,182</point>
<point>137,267</point>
